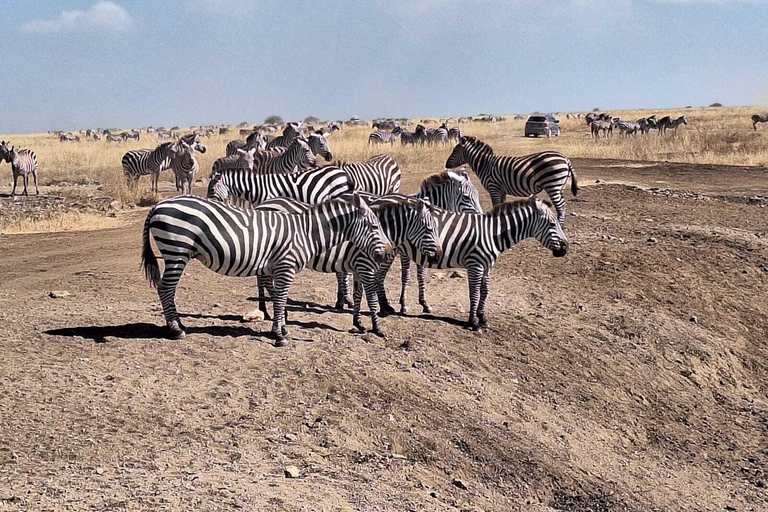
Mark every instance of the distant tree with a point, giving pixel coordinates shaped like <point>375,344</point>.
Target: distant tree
<point>596,109</point>
<point>274,119</point>
<point>716,105</point>
<point>688,106</point>
<point>312,120</point>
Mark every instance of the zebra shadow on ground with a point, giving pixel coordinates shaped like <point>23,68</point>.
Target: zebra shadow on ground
<point>239,318</point>
<point>306,306</point>
<point>146,331</point>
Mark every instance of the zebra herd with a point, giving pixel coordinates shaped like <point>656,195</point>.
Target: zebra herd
<point>271,220</point>
<point>421,136</point>
<point>605,124</point>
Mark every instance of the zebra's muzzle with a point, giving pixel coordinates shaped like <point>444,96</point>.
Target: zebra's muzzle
<point>560,251</point>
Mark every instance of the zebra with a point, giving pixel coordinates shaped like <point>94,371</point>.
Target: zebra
<point>667,122</point>
<point>759,118</point>
<point>243,243</point>
<point>141,162</point>
<point>646,124</point>
<point>383,137</point>
<point>379,175</point>
<point>463,120</point>
<point>475,241</point>
<point>116,138</point>
<point>296,157</point>
<point>419,136</point>
<point>290,132</point>
<point>254,140</point>
<point>599,125</point>
<point>184,166</point>
<point>403,219</point>
<point>448,190</point>
<point>438,135</point>
<point>628,128</point>
<point>23,163</point>
<point>383,125</point>
<point>133,134</point>
<point>454,134</point>
<point>312,186</point>
<point>69,137</point>
<point>519,176</point>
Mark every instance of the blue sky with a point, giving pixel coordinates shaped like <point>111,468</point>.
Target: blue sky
<point>84,63</point>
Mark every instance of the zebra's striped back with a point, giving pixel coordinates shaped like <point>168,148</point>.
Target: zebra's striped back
<point>454,134</point>
<point>290,132</point>
<point>379,175</point>
<point>516,176</point>
<point>382,138</point>
<point>312,186</point>
<point>451,191</point>
<point>141,162</point>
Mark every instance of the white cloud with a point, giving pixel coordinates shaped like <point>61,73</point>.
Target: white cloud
<point>232,7</point>
<point>103,16</point>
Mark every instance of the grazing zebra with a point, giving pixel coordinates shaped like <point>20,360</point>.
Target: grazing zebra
<point>141,162</point>
<point>23,163</point>
<point>464,120</point>
<point>184,166</point>
<point>383,137</point>
<point>379,175</point>
<point>759,118</point>
<point>116,138</point>
<point>312,186</point>
<point>438,135</point>
<point>454,134</point>
<point>667,122</point>
<point>290,132</point>
<point>628,128</point>
<point>518,176</point>
<point>404,220</point>
<point>133,134</point>
<point>244,243</point>
<point>69,137</point>
<point>475,241</point>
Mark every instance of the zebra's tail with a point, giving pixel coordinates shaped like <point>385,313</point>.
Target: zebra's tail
<point>574,182</point>
<point>148,258</point>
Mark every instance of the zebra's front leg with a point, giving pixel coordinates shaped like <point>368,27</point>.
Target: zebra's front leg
<point>264,283</point>
<point>381,292</point>
<point>282,280</point>
<point>474,279</point>
<point>15,181</point>
<point>484,287</point>
<point>421,274</point>
<point>34,176</point>
<point>358,298</point>
<point>166,290</point>
<point>405,279</point>
<point>365,282</point>
<point>25,180</point>
<point>342,291</point>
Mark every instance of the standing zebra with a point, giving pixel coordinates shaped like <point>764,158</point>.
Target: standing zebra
<point>382,138</point>
<point>417,137</point>
<point>448,190</point>
<point>241,159</point>
<point>438,135</point>
<point>254,140</point>
<point>759,118</point>
<point>23,163</point>
<point>244,243</point>
<point>141,162</point>
<point>290,132</point>
<point>628,128</point>
<point>518,176</point>
<point>454,134</point>
<point>475,241</point>
<point>297,157</point>
<point>404,220</point>
<point>667,122</point>
<point>312,186</point>
<point>379,175</point>
<point>184,166</point>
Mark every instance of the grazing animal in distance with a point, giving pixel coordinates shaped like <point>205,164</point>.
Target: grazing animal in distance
<point>667,122</point>
<point>759,118</point>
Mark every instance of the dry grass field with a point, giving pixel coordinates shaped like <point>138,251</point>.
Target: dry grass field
<point>631,375</point>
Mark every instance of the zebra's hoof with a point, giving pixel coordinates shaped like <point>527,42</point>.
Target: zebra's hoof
<point>177,334</point>
<point>284,330</point>
<point>349,302</point>
<point>339,306</point>
<point>386,309</point>
<point>483,321</point>
<point>403,310</point>
<point>426,308</point>
<point>378,333</point>
<point>281,342</point>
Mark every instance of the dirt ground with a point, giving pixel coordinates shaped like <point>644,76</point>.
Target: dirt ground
<point>631,375</point>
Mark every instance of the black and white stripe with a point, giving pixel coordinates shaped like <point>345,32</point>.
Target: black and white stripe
<point>290,132</point>
<point>379,175</point>
<point>242,243</point>
<point>404,220</point>
<point>412,138</point>
<point>517,176</point>
<point>438,135</point>
<point>185,166</point>
<point>312,186</point>
<point>382,138</point>
<point>23,163</point>
<point>454,134</point>
<point>143,162</point>
<point>667,122</point>
<point>475,241</point>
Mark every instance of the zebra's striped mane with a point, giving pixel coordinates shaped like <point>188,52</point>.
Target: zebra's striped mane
<point>437,178</point>
<point>511,206</point>
<point>479,145</point>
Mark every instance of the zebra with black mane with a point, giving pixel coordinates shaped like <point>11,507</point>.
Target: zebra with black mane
<point>23,163</point>
<point>419,136</point>
<point>759,118</point>
<point>517,176</point>
<point>142,162</point>
<point>404,220</point>
<point>312,186</point>
<point>667,122</point>
<point>290,132</point>
<point>475,241</point>
<point>244,243</point>
<point>454,134</point>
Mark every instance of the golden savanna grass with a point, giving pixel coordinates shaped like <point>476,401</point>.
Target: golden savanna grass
<point>714,136</point>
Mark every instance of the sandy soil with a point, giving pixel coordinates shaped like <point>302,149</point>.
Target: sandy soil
<point>631,375</point>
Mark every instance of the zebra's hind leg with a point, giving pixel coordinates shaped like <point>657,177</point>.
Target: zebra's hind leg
<point>34,176</point>
<point>282,280</point>
<point>484,285</point>
<point>475,279</point>
<point>381,292</point>
<point>166,290</point>
<point>421,274</point>
<point>15,181</point>
<point>365,282</point>
<point>342,291</point>
<point>264,283</point>
<point>25,180</point>
<point>405,279</point>
<point>556,196</point>
<point>358,297</point>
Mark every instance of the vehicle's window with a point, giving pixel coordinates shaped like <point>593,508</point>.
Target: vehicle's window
<point>537,119</point>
